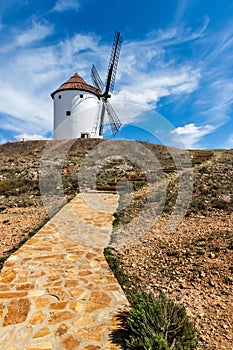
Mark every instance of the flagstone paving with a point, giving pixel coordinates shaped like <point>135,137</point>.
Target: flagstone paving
<point>57,290</point>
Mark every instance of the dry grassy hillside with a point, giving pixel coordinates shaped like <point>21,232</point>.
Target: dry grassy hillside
<point>192,265</point>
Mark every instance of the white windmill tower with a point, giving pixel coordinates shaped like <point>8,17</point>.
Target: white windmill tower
<point>79,108</point>
<point>74,96</point>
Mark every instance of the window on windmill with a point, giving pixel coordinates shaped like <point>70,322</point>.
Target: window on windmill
<point>81,95</point>
<point>68,113</point>
<point>59,97</point>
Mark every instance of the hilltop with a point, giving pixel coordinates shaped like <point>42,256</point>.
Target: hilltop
<point>193,264</point>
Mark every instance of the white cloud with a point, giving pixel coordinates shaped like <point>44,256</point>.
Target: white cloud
<point>128,113</point>
<point>27,137</point>
<point>3,141</point>
<point>229,142</point>
<point>64,5</point>
<point>180,10</point>
<point>191,134</point>
<point>30,75</point>
<point>147,72</point>
<point>37,32</point>
<point>22,38</point>
<point>148,90</point>
<point>19,103</point>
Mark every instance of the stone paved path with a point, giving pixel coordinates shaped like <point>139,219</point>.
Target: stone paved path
<point>57,291</point>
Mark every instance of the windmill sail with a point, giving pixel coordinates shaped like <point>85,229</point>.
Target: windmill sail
<point>108,87</point>
<point>97,81</point>
<point>113,118</point>
<point>113,63</point>
<point>101,128</point>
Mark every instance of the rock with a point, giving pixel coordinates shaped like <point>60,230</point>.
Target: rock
<point>17,311</point>
<point>211,283</point>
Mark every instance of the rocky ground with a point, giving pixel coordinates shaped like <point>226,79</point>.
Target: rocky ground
<point>192,265</point>
<point>21,206</point>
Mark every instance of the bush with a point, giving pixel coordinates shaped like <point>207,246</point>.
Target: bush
<point>114,265</point>
<point>159,324</point>
<point>195,206</point>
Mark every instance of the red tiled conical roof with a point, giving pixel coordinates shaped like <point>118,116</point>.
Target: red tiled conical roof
<point>76,83</point>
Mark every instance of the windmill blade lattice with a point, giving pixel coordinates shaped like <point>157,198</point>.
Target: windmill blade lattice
<point>97,81</point>
<point>104,89</point>
<point>115,122</point>
<point>113,62</point>
<point>101,128</point>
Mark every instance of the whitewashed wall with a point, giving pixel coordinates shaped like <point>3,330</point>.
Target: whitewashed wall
<point>83,111</point>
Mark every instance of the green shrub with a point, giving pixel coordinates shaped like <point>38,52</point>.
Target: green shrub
<point>118,215</point>
<point>159,323</point>
<point>114,265</point>
<point>195,206</point>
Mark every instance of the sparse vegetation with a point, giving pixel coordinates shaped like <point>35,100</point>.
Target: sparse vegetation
<point>152,323</point>
<point>122,278</point>
<point>159,324</point>
<point>193,263</point>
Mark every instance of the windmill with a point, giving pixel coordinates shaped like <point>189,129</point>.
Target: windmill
<point>79,108</point>
<point>108,87</point>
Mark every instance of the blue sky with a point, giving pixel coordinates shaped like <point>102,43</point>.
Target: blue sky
<point>176,60</point>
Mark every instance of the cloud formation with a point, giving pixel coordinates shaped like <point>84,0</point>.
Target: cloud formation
<point>152,72</point>
<point>229,142</point>
<point>191,134</point>
<point>27,137</point>
<point>37,32</point>
<point>65,5</point>
<point>33,72</point>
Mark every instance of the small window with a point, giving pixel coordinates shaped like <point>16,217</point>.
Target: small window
<point>84,135</point>
<point>68,113</point>
<point>81,96</point>
<point>59,97</point>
